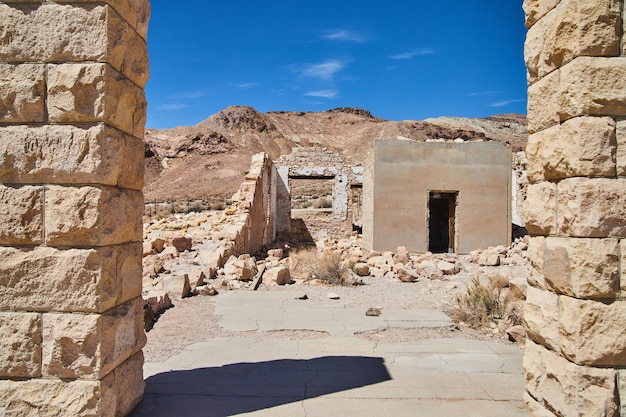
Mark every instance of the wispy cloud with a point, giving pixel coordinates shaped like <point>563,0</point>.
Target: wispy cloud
<point>245,85</point>
<point>187,95</point>
<point>324,70</point>
<point>344,35</point>
<point>503,103</point>
<point>171,106</point>
<point>484,93</point>
<point>323,93</point>
<point>412,54</point>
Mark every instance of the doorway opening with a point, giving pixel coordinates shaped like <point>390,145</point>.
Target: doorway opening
<point>441,221</point>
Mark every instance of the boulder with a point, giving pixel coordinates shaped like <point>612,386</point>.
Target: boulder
<point>169,253</point>
<point>516,334</point>
<point>275,253</point>
<point>158,244</point>
<point>242,268</point>
<point>361,269</point>
<point>280,275</point>
<point>196,277</point>
<point>177,286</point>
<point>406,275</point>
<point>448,268</point>
<point>147,249</point>
<point>489,259</point>
<point>402,255</point>
<point>182,243</point>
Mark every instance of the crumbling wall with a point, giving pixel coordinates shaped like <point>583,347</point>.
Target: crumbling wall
<point>72,113</point>
<point>318,163</point>
<point>254,208</point>
<point>575,210</point>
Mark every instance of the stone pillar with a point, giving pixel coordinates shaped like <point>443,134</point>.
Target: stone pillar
<point>72,114</point>
<point>576,208</point>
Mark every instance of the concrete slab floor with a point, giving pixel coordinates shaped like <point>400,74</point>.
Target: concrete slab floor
<point>334,373</point>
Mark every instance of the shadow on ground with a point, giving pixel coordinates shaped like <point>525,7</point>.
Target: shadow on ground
<point>245,387</point>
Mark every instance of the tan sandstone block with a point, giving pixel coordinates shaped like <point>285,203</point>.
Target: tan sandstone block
<point>540,208</point>
<point>591,332</point>
<point>574,28</point>
<point>87,280</point>
<point>93,32</point>
<point>536,409</point>
<point>583,146</point>
<point>622,252</point>
<point>128,386</point>
<point>535,277</point>
<point>135,12</point>
<point>96,154</point>
<point>592,207</point>
<point>582,268</point>
<point>95,93</point>
<point>52,398</point>
<point>89,346</point>
<point>536,9</point>
<point>621,147</point>
<point>21,213</point>
<point>541,317</point>
<point>22,93</point>
<point>568,389</point>
<point>92,216</point>
<point>592,86</point>
<point>20,345</point>
<point>543,102</point>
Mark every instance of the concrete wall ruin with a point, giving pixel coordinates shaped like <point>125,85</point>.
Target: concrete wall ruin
<point>318,163</point>
<point>72,113</point>
<point>403,180</point>
<point>575,209</point>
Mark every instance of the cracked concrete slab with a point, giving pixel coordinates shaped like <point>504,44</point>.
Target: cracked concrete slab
<point>335,373</point>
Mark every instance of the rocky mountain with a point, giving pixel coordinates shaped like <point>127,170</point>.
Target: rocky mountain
<point>211,158</point>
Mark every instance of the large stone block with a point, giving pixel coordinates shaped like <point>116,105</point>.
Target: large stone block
<point>89,346</point>
<point>574,28</point>
<point>20,345</point>
<point>54,154</point>
<point>22,216</point>
<point>86,280</point>
<point>536,9</point>
<point>540,208</point>
<point>95,93</point>
<point>128,384</point>
<point>92,216</point>
<point>50,32</point>
<point>591,332</point>
<point>22,93</point>
<point>591,207</point>
<point>52,398</point>
<point>135,12</point>
<point>580,147</point>
<point>582,268</point>
<point>567,389</point>
<point>536,246</point>
<point>541,317</point>
<point>621,146</point>
<point>543,102</point>
<point>592,86</point>
<point>621,380</point>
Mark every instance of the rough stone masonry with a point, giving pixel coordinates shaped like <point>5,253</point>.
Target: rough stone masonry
<point>72,114</point>
<point>575,309</point>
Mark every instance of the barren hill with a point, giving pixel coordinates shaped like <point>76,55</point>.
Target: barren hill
<point>211,158</point>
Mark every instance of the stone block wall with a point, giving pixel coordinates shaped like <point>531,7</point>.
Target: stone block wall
<point>318,163</point>
<point>72,114</point>
<point>253,211</point>
<point>576,208</point>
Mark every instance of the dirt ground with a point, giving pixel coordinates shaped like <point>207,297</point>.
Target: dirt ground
<point>193,319</point>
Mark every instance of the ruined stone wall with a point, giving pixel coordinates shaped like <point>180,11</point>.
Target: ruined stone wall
<point>318,163</point>
<point>253,212</point>
<point>72,114</point>
<point>575,311</point>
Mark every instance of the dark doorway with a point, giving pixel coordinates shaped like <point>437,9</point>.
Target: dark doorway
<point>441,225</point>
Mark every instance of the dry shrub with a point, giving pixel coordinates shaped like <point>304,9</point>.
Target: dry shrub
<point>326,266</point>
<point>481,304</point>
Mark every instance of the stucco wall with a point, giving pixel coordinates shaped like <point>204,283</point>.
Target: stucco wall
<point>401,175</point>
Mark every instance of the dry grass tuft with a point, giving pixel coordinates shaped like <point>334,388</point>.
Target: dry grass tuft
<point>326,266</point>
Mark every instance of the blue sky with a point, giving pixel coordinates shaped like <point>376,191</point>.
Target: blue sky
<point>398,59</point>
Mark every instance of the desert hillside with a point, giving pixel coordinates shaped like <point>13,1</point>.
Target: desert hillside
<point>209,160</point>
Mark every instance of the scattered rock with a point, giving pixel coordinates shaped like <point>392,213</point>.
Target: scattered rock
<point>169,253</point>
<point>177,286</point>
<point>516,334</point>
<point>182,243</point>
<point>374,311</point>
<point>209,290</point>
<point>402,255</point>
<point>280,275</point>
<point>406,275</point>
<point>196,277</point>
<point>361,269</point>
<point>275,253</point>
<point>489,259</point>
<point>304,297</point>
<point>333,296</point>
<point>448,268</point>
